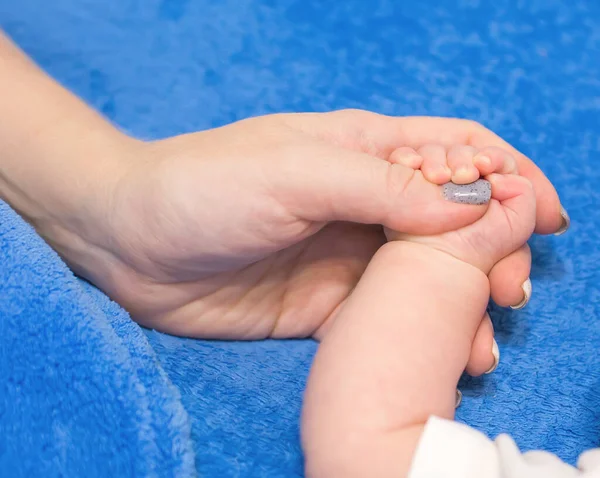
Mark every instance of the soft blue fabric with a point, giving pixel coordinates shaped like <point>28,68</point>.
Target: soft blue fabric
<point>81,390</point>
<point>82,380</point>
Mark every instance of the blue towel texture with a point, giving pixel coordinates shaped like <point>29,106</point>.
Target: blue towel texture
<point>85,392</point>
<point>82,392</point>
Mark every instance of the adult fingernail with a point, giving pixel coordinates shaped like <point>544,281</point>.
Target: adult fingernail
<point>496,354</point>
<point>566,222</point>
<point>458,399</point>
<point>527,288</point>
<point>479,192</point>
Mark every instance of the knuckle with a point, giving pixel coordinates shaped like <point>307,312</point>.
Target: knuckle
<point>473,125</point>
<point>351,113</point>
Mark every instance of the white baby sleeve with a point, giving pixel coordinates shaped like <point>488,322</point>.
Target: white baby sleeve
<point>449,449</point>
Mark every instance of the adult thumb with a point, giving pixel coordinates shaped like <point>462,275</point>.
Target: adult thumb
<point>336,184</point>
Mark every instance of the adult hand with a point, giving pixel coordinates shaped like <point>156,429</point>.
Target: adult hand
<point>257,229</point>
<point>261,228</point>
<point>509,279</point>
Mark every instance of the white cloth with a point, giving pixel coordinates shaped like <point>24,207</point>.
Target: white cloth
<point>449,449</point>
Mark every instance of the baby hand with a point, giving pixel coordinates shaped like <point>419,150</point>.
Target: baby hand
<point>496,244</point>
<point>460,164</point>
<point>510,218</point>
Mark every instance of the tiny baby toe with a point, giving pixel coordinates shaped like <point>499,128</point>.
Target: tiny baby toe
<point>406,157</point>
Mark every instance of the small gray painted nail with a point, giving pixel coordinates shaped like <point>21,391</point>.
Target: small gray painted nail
<point>479,192</point>
<point>458,399</point>
<point>566,222</point>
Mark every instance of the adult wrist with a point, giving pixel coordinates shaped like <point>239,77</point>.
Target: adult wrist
<point>59,159</point>
<point>63,180</point>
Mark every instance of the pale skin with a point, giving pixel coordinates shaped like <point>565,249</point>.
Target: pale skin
<point>258,229</point>
<point>399,345</point>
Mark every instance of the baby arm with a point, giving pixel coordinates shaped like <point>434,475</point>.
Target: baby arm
<point>392,358</point>
<point>375,383</point>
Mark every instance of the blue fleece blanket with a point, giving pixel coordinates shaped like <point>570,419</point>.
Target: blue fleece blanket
<point>84,391</point>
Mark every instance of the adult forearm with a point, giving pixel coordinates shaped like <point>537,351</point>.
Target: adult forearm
<point>58,157</point>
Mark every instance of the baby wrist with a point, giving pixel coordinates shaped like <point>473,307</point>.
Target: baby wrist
<point>434,262</point>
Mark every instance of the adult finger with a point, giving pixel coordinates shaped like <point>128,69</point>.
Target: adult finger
<point>509,279</point>
<point>485,354</point>
<point>324,183</point>
<point>379,135</point>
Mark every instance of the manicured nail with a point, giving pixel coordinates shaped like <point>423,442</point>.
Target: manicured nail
<point>496,354</point>
<point>458,399</point>
<point>526,295</point>
<point>566,222</point>
<point>479,192</point>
